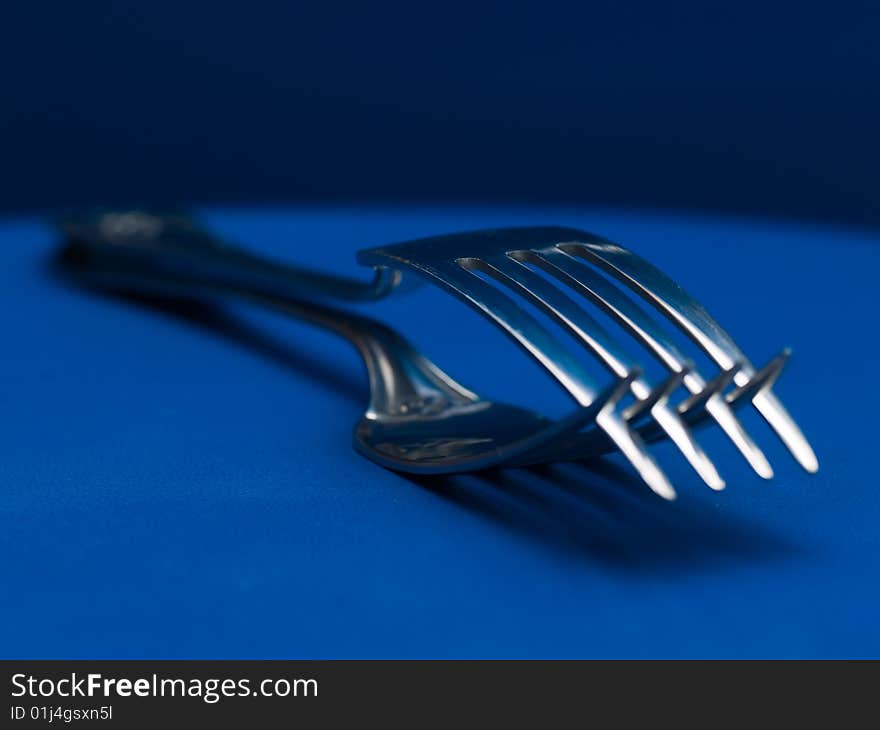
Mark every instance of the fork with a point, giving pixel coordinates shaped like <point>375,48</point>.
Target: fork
<point>490,271</point>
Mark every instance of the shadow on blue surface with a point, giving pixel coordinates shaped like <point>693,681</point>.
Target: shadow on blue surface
<point>599,512</point>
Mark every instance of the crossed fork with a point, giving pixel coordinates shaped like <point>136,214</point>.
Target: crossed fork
<point>490,271</point>
<point>470,265</point>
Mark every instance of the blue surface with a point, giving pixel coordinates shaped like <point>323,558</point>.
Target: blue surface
<point>184,486</point>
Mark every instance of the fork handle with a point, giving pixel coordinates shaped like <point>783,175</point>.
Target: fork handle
<point>170,253</point>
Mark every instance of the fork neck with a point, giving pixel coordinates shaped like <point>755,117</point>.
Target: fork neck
<point>138,246</point>
<point>168,256</point>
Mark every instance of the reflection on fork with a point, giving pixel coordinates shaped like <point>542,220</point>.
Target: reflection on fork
<point>420,420</point>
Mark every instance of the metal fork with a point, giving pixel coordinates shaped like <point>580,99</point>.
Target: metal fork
<point>566,254</point>
<point>490,270</point>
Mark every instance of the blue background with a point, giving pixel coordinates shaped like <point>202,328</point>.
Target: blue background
<point>755,106</point>
<point>180,483</point>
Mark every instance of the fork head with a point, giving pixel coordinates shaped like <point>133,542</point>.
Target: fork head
<point>565,273</point>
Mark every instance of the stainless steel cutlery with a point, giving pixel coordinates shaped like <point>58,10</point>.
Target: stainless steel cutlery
<point>421,420</point>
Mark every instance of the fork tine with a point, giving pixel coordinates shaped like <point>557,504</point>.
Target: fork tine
<point>695,402</point>
<point>557,262</point>
<point>764,378</point>
<point>518,324</point>
<point>665,389</point>
<point>615,428</point>
<point>695,321</point>
<point>770,407</point>
<point>709,401</point>
<point>730,424</point>
<point>516,275</point>
<point>534,338</point>
<point>674,426</point>
<point>536,447</point>
<point>758,389</point>
<point>539,447</point>
<point>630,443</point>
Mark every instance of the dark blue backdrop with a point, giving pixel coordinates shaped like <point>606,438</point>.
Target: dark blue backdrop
<point>750,106</point>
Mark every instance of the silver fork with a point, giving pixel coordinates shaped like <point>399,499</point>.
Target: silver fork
<point>144,250</point>
<point>565,254</point>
